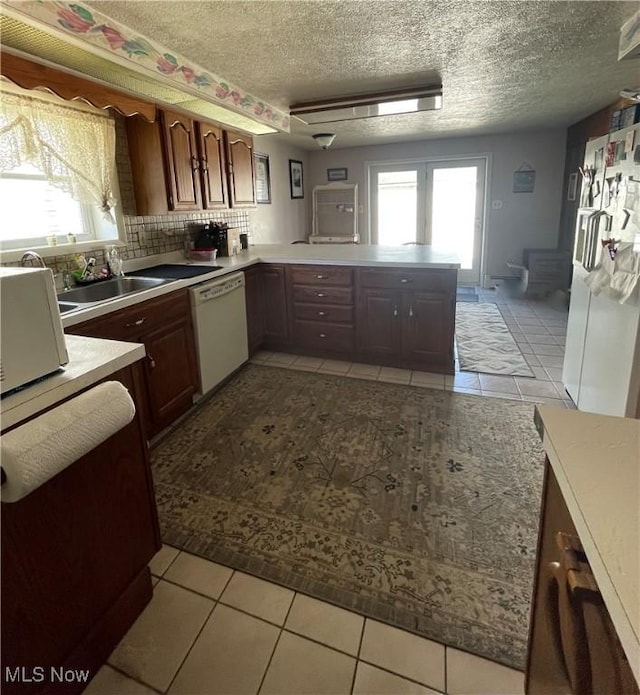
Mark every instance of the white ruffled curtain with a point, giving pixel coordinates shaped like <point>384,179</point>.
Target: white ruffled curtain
<point>74,149</point>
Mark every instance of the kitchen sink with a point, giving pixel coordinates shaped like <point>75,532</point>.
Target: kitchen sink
<point>107,289</point>
<point>66,306</point>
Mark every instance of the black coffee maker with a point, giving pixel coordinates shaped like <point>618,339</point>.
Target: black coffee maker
<point>213,235</point>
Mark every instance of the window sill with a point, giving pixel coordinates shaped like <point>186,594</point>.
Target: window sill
<point>10,255</point>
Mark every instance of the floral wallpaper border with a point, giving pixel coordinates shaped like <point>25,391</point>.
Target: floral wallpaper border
<point>140,54</point>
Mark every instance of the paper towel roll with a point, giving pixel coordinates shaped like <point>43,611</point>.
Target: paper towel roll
<point>35,452</point>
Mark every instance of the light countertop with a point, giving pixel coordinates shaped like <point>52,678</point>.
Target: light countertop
<point>596,460</point>
<point>364,255</point>
<point>90,360</point>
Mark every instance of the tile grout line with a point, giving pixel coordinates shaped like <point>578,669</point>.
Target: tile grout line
<point>186,656</point>
<point>275,646</point>
<point>130,677</point>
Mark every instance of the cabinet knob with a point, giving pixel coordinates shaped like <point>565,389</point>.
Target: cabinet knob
<point>152,362</point>
<point>321,277</point>
<point>395,310</point>
<point>322,313</point>
<point>322,335</point>
<point>411,311</point>
<point>204,165</point>
<point>404,280</point>
<point>139,322</point>
<point>319,294</point>
<point>195,163</point>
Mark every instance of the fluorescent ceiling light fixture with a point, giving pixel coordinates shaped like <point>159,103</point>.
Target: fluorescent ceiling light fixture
<point>369,105</point>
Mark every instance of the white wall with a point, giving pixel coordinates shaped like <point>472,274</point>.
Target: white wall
<point>284,220</point>
<point>526,220</point>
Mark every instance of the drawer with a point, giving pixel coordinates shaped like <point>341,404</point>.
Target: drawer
<point>137,320</point>
<point>321,275</point>
<point>322,295</point>
<point>321,312</point>
<point>427,279</point>
<point>317,335</point>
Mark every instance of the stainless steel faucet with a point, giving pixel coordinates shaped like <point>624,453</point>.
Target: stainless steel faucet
<point>32,255</point>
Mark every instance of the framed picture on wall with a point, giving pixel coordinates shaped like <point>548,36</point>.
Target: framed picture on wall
<point>295,179</point>
<point>263,178</point>
<point>524,181</point>
<point>337,174</point>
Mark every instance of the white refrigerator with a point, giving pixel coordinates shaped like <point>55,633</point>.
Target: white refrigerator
<point>601,370</point>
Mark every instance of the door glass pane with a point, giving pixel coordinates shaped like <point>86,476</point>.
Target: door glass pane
<point>397,201</point>
<point>453,218</point>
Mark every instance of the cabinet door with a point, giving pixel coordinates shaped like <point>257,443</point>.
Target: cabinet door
<point>241,169</point>
<point>275,303</point>
<point>183,164</point>
<point>147,158</point>
<point>171,373</point>
<point>428,327</point>
<point>379,321</point>
<point>213,167</point>
<point>254,298</point>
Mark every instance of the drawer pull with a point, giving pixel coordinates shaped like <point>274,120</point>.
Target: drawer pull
<point>319,294</point>
<point>322,277</point>
<point>322,335</point>
<point>139,322</point>
<point>322,313</point>
<point>395,310</point>
<point>404,280</point>
<point>152,362</point>
<point>411,311</point>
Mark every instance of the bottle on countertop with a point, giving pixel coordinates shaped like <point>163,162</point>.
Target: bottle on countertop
<point>114,262</point>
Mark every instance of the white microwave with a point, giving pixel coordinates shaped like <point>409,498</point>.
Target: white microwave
<point>32,343</point>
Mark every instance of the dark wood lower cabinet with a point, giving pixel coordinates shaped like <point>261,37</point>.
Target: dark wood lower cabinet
<point>380,322</point>
<point>276,320</point>
<point>74,560</point>
<point>428,329</point>
<point>389,316</point>
<point>573,645</point>
<point>254,298</point>
<point>406,328</point>
<point>170,370</point>
<point>164,326</point>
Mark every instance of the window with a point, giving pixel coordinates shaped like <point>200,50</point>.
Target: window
<point>57,176</point>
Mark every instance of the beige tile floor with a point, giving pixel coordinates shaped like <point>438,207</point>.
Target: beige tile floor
<point>210,630</point>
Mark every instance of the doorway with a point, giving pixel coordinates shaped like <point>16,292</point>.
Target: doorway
<point>439,203</point>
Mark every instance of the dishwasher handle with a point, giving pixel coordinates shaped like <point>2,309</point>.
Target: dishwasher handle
<point>214,289</point>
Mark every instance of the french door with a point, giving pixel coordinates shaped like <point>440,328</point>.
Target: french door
<point>439,203</point>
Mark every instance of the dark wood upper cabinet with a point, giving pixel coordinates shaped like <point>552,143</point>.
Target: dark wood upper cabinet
<point>183,161</point>
<point>179,164</point>
<point>213,166</point>
<point>242,192</point>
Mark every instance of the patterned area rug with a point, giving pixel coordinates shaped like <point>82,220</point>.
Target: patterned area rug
<point>485,343</point>
<point>413,506</point>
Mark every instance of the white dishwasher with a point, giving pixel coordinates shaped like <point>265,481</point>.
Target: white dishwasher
<point>220,324</point>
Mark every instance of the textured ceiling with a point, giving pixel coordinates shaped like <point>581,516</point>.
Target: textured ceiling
<point>504,66</point>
